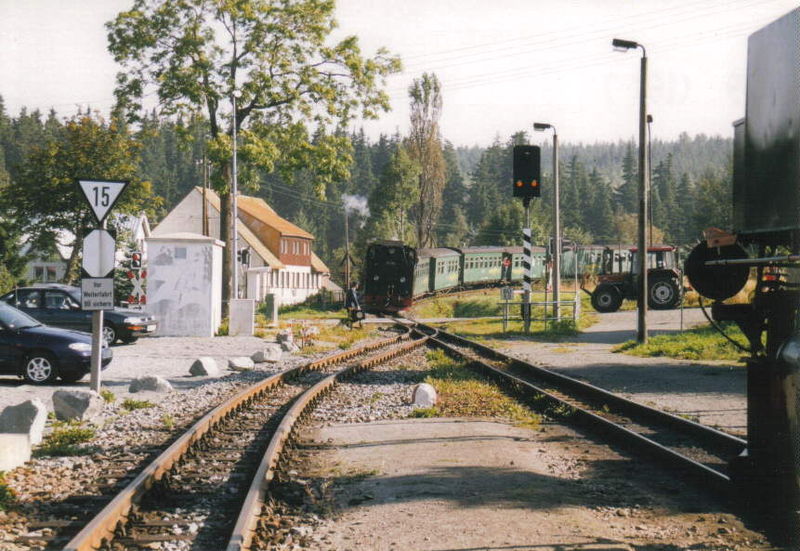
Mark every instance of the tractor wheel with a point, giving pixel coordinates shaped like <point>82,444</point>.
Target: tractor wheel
<point>606,298</point>
<point>664,294</point>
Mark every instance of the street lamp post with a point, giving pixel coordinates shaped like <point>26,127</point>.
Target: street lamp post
<point>644,184</point>
<point>539,127</point>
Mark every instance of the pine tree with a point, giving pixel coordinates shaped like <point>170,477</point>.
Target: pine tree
<point>627,194</point>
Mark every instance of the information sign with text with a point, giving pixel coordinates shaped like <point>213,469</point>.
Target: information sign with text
<point>97,293</point>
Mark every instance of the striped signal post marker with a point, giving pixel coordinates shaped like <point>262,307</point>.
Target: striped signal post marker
<point>526,265</point>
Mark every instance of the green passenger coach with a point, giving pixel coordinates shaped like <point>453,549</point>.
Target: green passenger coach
<point>443,267</point>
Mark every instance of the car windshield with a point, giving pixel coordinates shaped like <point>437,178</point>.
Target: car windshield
<point>14,319</point>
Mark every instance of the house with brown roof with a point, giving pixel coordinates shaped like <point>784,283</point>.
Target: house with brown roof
<point>279,256</point>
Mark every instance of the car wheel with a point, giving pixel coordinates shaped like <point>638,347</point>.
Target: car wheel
<point>109,334</point>
<point>606,299</point>
<point>40,368</point>
<point>72,376</point>
<point>664,294</point>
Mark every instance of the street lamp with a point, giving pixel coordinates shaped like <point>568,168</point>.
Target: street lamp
<point>235,205</point>
<point>540,127</point>
<point>644,184</point>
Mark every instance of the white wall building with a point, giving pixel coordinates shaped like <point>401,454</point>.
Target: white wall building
<point>184,284</point>
<point>281,259</point>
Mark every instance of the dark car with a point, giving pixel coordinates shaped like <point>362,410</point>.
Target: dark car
<point>41,354</point>
<point>60,306</point>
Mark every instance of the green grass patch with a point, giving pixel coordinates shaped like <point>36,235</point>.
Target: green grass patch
<point>309,312</point>
<point>425,413</point>
<point>490,331</point>
<point>169,421</point>
<point>7,496</point>
<point>700,343</point>
<point>107,396</point>
<point>66,440</point>
<point>321,306</point>
<point>130,404</point>
<point>335,336</point>
<point>464,393</point>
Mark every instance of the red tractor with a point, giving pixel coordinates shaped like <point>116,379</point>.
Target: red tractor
<point>618,276</point>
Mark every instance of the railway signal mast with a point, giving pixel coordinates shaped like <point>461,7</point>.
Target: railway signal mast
<point>527,184</point>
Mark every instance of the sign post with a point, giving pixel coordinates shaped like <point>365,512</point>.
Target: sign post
<point>97,281</point>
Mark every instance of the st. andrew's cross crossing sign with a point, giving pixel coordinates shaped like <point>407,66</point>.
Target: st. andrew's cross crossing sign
<point>101,195</point>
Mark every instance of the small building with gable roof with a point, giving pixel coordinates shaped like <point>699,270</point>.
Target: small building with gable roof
<point>279,256</point>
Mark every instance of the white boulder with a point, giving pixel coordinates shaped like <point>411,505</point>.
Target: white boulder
<point>26,418</point>
<point>240,363</point>
<point>15,449</point>
<point>204,366</point>
<point>424,396</point>
<point>80,405</point>
<point>270,353</point>
<point>289,346</point>
<point>153,383</point>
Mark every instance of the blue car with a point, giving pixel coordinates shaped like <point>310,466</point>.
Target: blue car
<point>60,306</point>
<point>41,354</point>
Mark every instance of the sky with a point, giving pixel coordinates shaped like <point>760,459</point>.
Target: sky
<point>503,64</point>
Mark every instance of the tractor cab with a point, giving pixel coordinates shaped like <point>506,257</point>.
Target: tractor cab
<point>619,274</point>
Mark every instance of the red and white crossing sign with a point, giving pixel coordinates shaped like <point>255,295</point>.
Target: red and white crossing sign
<point>137,279</point>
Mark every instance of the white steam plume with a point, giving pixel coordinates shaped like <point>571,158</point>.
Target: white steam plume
<point>356,203</point>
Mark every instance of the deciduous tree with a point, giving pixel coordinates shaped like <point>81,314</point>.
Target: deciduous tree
<point>45,200</point>
<point>196,55</point>
<point>425,148</point>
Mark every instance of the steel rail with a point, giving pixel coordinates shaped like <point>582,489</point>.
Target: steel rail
<point>246,524</point>
<point>103,525</point>
<point>732,445</point>
<point>715,479</point>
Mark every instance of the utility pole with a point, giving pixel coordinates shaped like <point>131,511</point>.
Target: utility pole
<point>541,126</point>
<point>206,230</point>
<point>556,231</point>
<point>643,208</point>
<point>346,250</point>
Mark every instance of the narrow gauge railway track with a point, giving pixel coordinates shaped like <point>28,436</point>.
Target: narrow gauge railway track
<point>699,451</point>
<point>227,438</point>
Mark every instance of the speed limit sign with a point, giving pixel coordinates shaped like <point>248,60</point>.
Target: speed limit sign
<point>101,195</point>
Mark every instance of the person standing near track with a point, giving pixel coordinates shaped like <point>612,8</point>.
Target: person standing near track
<point>354,313</point>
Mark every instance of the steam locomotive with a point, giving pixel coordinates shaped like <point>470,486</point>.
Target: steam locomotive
<point>395,274</point>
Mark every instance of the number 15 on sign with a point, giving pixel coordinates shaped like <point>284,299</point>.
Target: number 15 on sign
<point>101,195</point>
